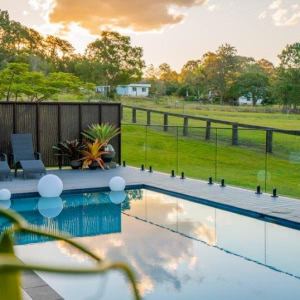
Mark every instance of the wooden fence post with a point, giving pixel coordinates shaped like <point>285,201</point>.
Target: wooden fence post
<point>235,134</point>
<point>208,130</point>
<point>185,126</point>
<point>269,141</point>
<point>165,122</point>
<point>148,117</point>
<point>134,115</point>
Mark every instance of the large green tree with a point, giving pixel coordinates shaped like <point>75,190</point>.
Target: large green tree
<point>119,62</point>
<point>220,70</point>
<point>253,83</point>
<point>286,82</point>
<point>17,82</point>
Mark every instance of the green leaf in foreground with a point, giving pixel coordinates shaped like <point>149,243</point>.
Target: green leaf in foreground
<point>10,281</point>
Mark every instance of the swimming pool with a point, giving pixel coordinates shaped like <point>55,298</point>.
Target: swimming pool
<point>179,249</point>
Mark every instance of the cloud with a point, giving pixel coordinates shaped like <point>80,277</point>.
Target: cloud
<point>281,18</point>
<point>213,7</point>
<point>283,14</point>
<point>137,15</point>
<point>263,15</point>
<point>275,4</point>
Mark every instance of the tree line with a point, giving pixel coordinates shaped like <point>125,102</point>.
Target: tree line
<point>224,76</point>
<point>37,68</point>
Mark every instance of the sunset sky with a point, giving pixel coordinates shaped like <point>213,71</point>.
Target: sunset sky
<point>171,31</point>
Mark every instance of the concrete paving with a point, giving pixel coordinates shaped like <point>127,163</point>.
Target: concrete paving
<point>33,287</point>
<point>282,207</point>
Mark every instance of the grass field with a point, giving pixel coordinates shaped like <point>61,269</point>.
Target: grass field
<point>246,165</point>
<point>228,113</point>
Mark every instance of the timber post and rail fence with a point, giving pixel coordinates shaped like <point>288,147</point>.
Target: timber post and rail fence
<point>209,121</point>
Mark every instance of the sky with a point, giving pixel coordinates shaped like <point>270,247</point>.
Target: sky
<point>171,31</point>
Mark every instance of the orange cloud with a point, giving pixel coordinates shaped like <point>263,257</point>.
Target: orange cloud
<point>138,15</point>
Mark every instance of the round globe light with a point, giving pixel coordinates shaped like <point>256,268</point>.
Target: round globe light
<point>117,197</point>
<point>50,186</point>
<point>50,207</point>
<point>5,204</point>
<point>117,184</point>
<point>5,194</point>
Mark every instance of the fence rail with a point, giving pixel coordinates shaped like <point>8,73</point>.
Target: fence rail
<point>209,122</point>
<point>51,122</point>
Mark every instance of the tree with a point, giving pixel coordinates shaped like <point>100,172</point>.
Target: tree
<point>121,63</point>
<point>193,78</point>
<point>168,78</point>
<point>286,83</point>
<point>290,56</point>
<point>266,65</point>
<point>253,83</point>
<point>220,70</point>
<point>17,81</point>
<point>11,78</point>
<point>91,71</point>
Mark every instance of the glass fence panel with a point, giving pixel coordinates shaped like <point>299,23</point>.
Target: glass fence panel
<point>127,115</point>
<point>161,148</point>
<point>241,157</point>
<point>283,164</point>
<point>133,144</point>
<point>197,152</point>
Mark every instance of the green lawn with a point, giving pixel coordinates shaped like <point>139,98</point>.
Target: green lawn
<point>199,159</point>
<point>242,165</point>
<point>277,120</point>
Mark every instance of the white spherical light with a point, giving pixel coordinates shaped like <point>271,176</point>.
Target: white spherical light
<point>117,184</point>
<point>50,207</point>
<point>50,186</point>
<point>5,195</point>
<point>5,204</point>
<point>117,197</point>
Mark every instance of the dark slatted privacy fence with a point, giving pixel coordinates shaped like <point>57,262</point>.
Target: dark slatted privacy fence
<point>52,122</point>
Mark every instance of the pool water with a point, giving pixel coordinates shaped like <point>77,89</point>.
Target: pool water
<point>178,249</point>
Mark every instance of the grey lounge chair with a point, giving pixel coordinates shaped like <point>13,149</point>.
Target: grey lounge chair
<point>24,155</point>
<point>4,167</point>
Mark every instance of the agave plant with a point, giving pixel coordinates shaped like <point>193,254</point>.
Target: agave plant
<point>103,133</point>
<point>92,154</point>
<point>70,149</point>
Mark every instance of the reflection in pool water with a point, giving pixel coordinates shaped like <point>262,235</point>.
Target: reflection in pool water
<point>178,249</point>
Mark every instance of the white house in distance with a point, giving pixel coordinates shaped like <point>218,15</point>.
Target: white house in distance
<point>248,101</point>
<point>132,90</point>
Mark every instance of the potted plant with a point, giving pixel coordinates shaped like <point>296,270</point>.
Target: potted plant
<point>92,155</point>
<point>71,150</point>
<point>103,133</point>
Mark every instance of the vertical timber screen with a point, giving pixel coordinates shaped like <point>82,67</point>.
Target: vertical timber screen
<point>52,122</point>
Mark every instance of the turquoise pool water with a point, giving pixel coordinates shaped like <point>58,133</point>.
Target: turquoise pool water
<point>178,249</point>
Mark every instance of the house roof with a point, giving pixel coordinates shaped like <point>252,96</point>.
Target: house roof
<point>140,85</point>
